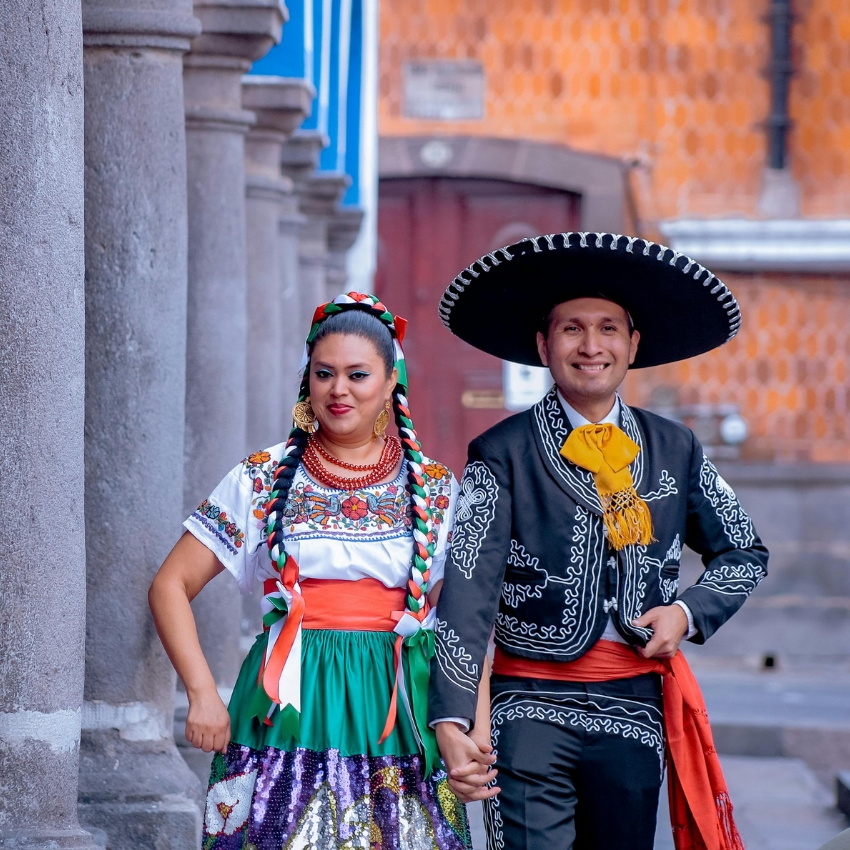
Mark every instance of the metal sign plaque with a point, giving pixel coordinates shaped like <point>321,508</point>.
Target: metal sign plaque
<point>444,89</point>
<point>524,385</point>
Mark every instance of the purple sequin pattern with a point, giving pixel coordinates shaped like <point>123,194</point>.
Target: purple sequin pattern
<point>275,800</point>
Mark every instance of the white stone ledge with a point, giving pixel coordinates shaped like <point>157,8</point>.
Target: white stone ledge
<point>59,729</point>
<point>135,721</point>
<point>773,245</point>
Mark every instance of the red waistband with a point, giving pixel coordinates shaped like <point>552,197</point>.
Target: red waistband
<point>365,605</point>
<point>606,661</point>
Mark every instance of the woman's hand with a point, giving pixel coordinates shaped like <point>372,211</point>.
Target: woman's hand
<point>208,722</point>
<point>469,766</point>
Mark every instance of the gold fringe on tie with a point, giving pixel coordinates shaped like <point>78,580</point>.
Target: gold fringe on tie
<point>606,451</point>
<point>627,519</point>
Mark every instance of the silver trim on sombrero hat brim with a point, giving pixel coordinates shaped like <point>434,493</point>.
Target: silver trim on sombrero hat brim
<point>632,243</point>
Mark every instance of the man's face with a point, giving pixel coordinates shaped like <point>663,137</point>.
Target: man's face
<point>588,348</point>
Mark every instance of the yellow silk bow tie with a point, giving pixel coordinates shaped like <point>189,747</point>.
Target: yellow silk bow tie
<point>607,451</point>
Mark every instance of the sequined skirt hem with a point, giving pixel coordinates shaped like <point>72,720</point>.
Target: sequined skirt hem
<point>270,799</point>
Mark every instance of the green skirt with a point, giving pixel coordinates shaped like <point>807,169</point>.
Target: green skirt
<point>347,681</point>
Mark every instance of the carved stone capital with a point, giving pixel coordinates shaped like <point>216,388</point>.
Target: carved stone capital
<point>322,191</point>
<point>281,104</point>
<point>343,228</point>
<point>163,29</point>
<point>300,155</point>
<point>242,29</point>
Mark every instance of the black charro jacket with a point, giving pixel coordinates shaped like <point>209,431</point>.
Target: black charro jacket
<point>529,553</point>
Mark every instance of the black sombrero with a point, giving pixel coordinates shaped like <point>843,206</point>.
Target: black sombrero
<point>680,308</point>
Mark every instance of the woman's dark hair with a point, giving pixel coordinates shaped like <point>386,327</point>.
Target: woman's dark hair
<point>362,324</point>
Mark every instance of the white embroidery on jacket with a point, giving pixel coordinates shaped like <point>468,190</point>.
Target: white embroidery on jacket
<point>737,526</point>
<point>586,561</point>
<point>733,580</point>
<point>453,659</point>
<point>668,584</point>
<point>476,508</point>
<point>666,487</point>
<point>515,593</point>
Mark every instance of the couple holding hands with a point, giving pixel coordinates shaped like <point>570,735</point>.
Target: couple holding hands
<point>374,703</point>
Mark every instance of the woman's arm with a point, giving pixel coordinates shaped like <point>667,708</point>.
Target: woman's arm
<point>184,573</point>
<point>480,733</point>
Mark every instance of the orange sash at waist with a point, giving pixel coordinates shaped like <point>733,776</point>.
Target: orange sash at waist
<point>700,808</point>
<point>365,605</point>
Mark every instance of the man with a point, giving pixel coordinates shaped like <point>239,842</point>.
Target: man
<point>568,539</point>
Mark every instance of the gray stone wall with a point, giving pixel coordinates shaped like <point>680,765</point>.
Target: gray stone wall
<point>42,540</point>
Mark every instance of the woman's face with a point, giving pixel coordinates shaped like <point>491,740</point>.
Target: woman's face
<point>349,386</point>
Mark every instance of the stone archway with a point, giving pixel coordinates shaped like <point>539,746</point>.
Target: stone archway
<point>599,180</point>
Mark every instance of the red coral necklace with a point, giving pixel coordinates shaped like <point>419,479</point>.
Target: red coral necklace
<point>315,451</point>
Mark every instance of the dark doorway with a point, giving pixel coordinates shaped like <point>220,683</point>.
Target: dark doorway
<point>428,230</point>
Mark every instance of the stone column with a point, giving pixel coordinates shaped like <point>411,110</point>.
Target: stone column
<point>234,35</point>
<point>323,190</point>
<point>280,105</point>
<point>299,158</point>
<point>42,327</point>
<point>133,783</point>
<point>343,229</point>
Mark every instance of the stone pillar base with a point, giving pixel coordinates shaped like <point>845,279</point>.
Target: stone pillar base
<point>141,795</point>
<point>78,839</point>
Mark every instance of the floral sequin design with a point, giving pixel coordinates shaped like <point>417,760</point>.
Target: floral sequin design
<point>214,519</point>
<point>325,801</point>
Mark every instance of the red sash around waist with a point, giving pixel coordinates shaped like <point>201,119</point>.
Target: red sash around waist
<point>365,605</point>
<point>700,808</point>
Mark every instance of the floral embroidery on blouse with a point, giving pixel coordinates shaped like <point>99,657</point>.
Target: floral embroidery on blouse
<point>311,508</point>
<point>216,520</point>
<point>259,468</point>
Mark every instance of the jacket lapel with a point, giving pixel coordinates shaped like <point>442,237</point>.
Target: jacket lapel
<point>551,429</point>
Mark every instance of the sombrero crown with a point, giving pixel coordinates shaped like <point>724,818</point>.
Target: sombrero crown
<point>681,309</point>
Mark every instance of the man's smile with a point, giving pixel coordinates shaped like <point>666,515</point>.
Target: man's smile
<point>590,367</point>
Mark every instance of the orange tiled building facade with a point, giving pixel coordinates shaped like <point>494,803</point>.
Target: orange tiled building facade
<point>678,93</point>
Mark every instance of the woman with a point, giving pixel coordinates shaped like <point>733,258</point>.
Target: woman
<point>325,743</point>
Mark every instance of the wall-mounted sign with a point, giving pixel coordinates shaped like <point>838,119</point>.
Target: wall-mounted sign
<point>524,385</point>
<point>444,89</point>
<point>483,399</point>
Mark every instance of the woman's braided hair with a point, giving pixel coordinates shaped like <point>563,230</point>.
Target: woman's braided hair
<point>423,537</point>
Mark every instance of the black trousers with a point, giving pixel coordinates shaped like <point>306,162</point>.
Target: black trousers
<point>580,765</point>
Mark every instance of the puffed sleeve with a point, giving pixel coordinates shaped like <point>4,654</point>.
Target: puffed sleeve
<point>719,529</point>
<point>444,499</point>
<point>474,572</point>
<point>226,524</point>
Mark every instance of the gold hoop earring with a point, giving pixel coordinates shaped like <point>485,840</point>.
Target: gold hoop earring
<point>304,417</point>
<point>380,426</point>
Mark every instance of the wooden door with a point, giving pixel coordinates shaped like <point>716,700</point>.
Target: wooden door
<point>428,230</point>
